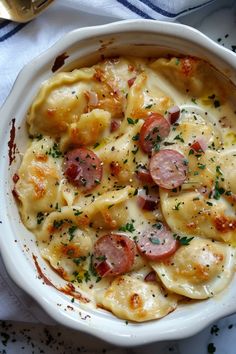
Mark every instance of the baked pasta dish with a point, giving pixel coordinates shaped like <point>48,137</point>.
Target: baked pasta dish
<point>129,182</point>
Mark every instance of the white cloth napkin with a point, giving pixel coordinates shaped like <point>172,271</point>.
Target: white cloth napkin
<point>19,43</point>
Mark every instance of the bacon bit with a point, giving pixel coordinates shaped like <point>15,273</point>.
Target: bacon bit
<point>135,301</point>
<point>224,224</point>
<point>147,201</point>
<point>115,124</point>
<point>199,145</point>
<point>103,268</point>
<point>15,177</point>
<point>11,142</point>
<point>92,98</point>
<point>51,112</point>
<point>151,276</point>
<point>188,65</point>
<point>144,175</point>
<point>115,168</point>
<point>131,81</point>
<point>173,114</point>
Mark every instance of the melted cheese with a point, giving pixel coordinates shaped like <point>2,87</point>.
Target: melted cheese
<point>199,270</point>
<point>132,299</point>
<point>76,109</point>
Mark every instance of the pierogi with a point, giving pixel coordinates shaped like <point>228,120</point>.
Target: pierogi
<point>129,182</point>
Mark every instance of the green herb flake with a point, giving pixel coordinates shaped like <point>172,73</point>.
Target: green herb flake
<point>176,207</point>
<point>132,121</point>
<point>179,137</point>
<point>40,217</point>
<point>87,276</point>
<point>54,151</point>
<point>79,260</point>
<point>136,137</point>
<point>77,212</point>
<point>191,152</point>
<point>218,191</point>
<point>148,106</point>
<point>71,232</point>
<point>57,223</point>
<point>96,145</point>
<point>201,166</point>
<point>128,227</point>
<point>184,241</point>
<point>218,170</point>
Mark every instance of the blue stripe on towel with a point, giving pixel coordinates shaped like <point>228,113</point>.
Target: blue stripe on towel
<point>134,9</point>
<point>12,32</point>
<point>170,14</point>
<point>4,23</point>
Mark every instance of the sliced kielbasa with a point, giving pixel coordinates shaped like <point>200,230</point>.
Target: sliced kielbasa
<point>157,244</point>
<point>168,168</point>
<point>173,114</point>
<point>153,131</point>
<point>113,255</point>
<point>83,168</point>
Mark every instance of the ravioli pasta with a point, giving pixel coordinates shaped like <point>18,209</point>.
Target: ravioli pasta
<point>129,182</point>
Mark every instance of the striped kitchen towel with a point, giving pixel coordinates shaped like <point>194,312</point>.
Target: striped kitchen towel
<point>149,9</point>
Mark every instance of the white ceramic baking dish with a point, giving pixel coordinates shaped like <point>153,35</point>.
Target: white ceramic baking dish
<point>84,47</point>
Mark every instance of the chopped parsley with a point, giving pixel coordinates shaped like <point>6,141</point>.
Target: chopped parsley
<point>54,151</point>
<point>179,137</point>
<point>201,166</point>
<point>96,145</point>
<point>176,207</point>
<point>218,170</point>
<point>132,121</point>
<point>184,241</point>
<point>136,137</point>
<point>71,232</point>
<point>58,223</point>
<point>77,212</point>
<point>128,227</point>
<point>218,191</point>
<point>149,106</point>
<point>79,260</point>
<point>40,217</point>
